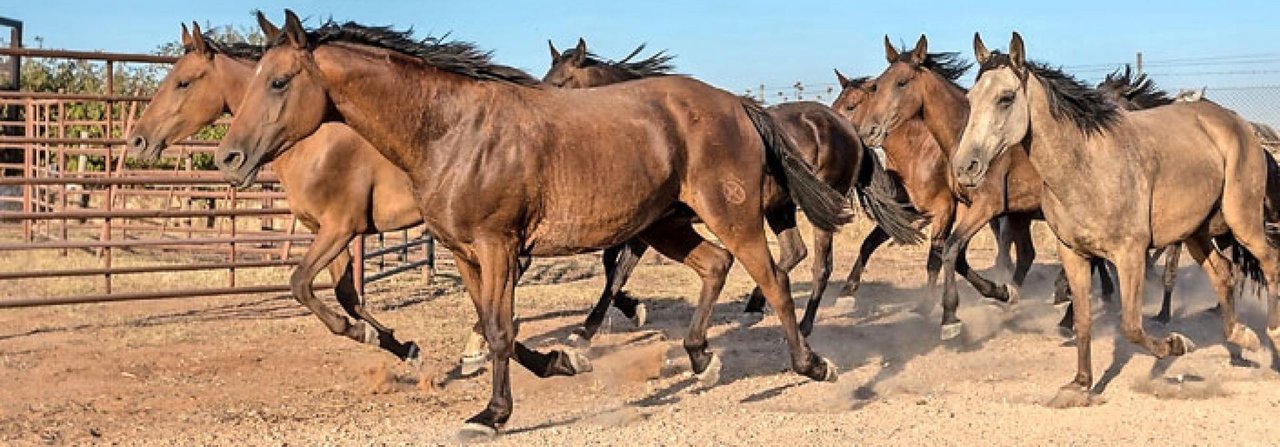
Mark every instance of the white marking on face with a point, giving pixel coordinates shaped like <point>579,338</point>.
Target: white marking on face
<point>257,71</point>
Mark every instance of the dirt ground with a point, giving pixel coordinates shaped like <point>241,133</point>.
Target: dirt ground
<point>258,370</point>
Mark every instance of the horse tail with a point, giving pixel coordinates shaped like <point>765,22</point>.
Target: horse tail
<point>823,205</point>
<point>883,196</point>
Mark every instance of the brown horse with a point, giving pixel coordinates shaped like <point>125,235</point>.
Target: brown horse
<point>507,168</point>
<point>922,84</point>
<point>823,139</point>
<point>336,184</point>
<point>912,154</point>
<point>1202,161</point>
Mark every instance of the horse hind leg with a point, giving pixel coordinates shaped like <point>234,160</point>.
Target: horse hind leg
<point>873,241</point>
<point>746,242</point>
<point>354,305</point>
<point>619,261</point>
<point>1171,255</point>
<point>676,239</point>
<point>821,273</point>
<point>1219,270</point>
<point>791,251</point>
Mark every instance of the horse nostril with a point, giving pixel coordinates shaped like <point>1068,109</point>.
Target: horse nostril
<point>971,167</point>
<point>233,159</point>
<point>138,143</point>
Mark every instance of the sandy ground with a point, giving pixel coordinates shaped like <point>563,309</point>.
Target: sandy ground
<point>258,370</point>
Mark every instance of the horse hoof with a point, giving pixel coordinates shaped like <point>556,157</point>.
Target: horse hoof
<point>412,354</point>
<point>1245,338</point>
<point>1180,345</point>
<point>642,315</point>
<point>1013,294</point>
<point>847,291</point>
<point>472,364</point>
<point>579,362</point>
<point>951,330</point>
<point>832,372</point>
<point>1068,333</point>
<point>1162,318</point>
<point>578,339</point>
<point>1072,396</point>
<point>711,375</point>
<point>474,432</point>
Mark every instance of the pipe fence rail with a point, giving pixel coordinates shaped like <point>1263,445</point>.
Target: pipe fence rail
<point>77,208</point>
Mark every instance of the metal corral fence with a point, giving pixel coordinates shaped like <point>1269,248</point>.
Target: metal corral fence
<point>74,193</point>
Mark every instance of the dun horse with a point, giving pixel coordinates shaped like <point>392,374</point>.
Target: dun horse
<point>1203,162</point>
<point>507,168</point>
<point>335,182</point>
<point>823,139</point>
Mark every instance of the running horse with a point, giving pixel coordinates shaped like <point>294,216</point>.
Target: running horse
<point>335,182</point>
<point>508,168</point>
<point>1202,161</point>
<point>824,140</point>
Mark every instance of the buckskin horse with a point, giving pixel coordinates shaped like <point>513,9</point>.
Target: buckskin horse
<point>508,168</point>
<point>1202,161</point>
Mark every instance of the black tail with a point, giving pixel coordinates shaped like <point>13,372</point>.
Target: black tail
<point>882,195</point>
<point>1271,202</point>
<point>822,204</point>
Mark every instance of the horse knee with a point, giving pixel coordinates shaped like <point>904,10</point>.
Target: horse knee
<point>718,266</point>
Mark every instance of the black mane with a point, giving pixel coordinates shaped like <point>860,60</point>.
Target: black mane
<point>658,64</point>
<point>949,65</point>
<point>238,50</point>
<point>858,82</point>
<point>1135,91</point>
<point>1069,98</point>
<point>458,57</point>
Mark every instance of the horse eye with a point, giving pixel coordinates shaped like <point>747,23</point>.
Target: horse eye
<point>279,84</point>
<point>850,108</point>
<point>902,83</point>
<point>184,83</point>
<point>1005,100</point>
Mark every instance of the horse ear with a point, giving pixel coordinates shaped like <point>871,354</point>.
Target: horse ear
<point>921,52</point>
<point>293,30</point>
<point>980,51</point>
<point>890,53</point>
<point>197,40</point>
<point>844,82</point>
<point>555,55</point>
<point>269,30</point>
<point>580,51</point>
<point>186,37</point>
<point>1017,52</point>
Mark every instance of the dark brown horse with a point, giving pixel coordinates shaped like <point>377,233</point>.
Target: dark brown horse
<point>1183,172</point>
<point>823,139</point>
<point>507,168</point>
<point>336,184</point>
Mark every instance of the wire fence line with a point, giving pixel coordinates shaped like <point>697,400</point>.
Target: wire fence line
<point>1260,103</point>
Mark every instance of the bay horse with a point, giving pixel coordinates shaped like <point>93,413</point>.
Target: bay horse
<point>509,168</point>
<point>335,182</point>
<point>1103,169</point>
<point>912,155</point>
<point>823,139</point>
<point>922,84</point>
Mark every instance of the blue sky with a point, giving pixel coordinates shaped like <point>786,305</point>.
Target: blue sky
<point>741,44</point>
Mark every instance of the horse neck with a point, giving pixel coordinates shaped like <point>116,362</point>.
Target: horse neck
<point>233,78</point>
<point>905,149</point>
<point>1057,149</point>
<point>945,111</point>
<point>404,109</point>
<point>602,76</point>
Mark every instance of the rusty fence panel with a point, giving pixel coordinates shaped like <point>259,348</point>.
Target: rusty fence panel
<point>80,195</point>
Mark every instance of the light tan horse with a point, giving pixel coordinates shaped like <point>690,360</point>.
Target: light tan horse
<point>1117,183</point>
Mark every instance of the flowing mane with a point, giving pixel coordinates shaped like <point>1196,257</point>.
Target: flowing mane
<point>237,50</point>
<point>949,65</point>
<point>1135,91</point>
<point>1069,98</point>
<point>454,56</point>
<point>657,64</point>
<point>859,82</point>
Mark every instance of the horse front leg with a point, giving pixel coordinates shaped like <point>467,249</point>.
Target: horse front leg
<point>619,261</point>
<point>351,301</point>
